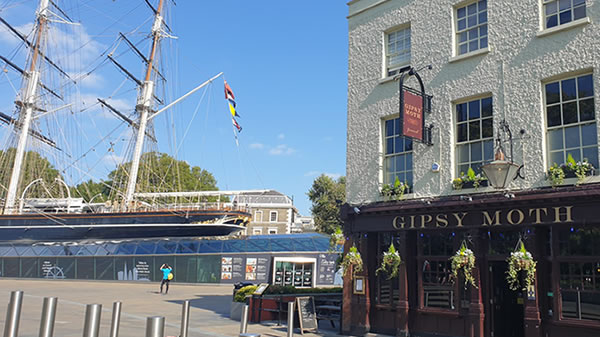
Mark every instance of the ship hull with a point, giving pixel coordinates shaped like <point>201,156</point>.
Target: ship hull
<point>119,226</point>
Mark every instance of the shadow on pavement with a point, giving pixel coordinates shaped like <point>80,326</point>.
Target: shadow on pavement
<point>218,304</point>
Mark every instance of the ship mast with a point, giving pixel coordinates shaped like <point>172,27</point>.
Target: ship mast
<point>144,105</point>
<point>27,105</point>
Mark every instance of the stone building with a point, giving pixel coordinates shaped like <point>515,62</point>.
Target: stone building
<point>272,212</point>
<point>520,75</point>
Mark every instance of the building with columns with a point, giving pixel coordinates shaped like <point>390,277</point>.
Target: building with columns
<point>477,77</point>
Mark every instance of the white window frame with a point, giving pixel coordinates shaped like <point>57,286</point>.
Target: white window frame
<point>465,31</point>
<point>393,69</point>
<point>258,216</point>
<point>552,8</point>
<point>481,139</point>
<point>257,231</point>
<point>271,216</point>
<point>387,156</point>
<point>272,230</point>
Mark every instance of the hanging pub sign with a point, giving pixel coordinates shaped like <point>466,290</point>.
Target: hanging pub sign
<point>413,105</point>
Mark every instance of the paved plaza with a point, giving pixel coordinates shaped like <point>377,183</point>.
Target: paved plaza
<point>209,308</point>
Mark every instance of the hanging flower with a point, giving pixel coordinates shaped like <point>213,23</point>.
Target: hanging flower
<point>390,263</point>
<point>464,260</point>
<point>520,261</point>
<point>352,260</point>
<point>336,238</point>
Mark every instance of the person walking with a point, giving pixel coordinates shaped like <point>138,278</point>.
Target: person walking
<point>166,269</point>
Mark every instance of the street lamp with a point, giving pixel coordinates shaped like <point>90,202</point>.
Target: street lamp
<point>501,172</point>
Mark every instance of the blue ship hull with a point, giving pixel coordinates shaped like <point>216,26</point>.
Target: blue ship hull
<point>51,227</point>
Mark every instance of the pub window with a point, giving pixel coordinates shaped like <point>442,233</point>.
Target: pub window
<point>388,291</point>
<point>560,12</point>
<point>397,50</point>
<point>471,27</point>
<point>474,135</point>
<point>398,155</point>
<point>571,120</point>
<point>580,273</point>
<point>438,287</point>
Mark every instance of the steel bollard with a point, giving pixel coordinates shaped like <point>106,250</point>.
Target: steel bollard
<point>91,326</point>
<point>48,317</point>
<point>290,332</point>
<point>116,319</point>
<point>155,326</point>
<point>185,319</point>
<point>13,314</point>
<point>244,322</point>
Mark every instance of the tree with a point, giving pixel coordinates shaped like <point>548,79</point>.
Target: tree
<point>34,166</point>
<point>327,196</point>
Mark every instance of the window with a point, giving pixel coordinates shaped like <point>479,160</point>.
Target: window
<point>388,290</point>
<point>471,27</point>
<point>397,154</point>
<point>559,12</point>
<point>571,120</point>
<point>273,216</point>
<point>257,231</point>
<point>272,230</point>
<point>397,50</point>
<point>474,135</point>
<point>258,216</point>
<point>438,287</point>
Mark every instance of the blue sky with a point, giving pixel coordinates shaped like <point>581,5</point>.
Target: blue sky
<point>285,61</point>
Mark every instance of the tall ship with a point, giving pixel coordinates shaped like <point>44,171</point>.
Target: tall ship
<point>37,210</point>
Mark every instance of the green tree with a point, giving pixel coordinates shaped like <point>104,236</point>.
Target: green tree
<point>34,167</point>
<point>327,196</point>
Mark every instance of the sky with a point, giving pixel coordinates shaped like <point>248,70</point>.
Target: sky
<point>286,62</point>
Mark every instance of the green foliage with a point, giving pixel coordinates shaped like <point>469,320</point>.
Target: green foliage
<point>464,261</point>
<point>395,191</point>
<point>327,196</point>
<point>336,238</point>
<point>240,295</point>
<point>476,179</point>
<point>279,290</point>
<point>352,260</point>
<point>390,263</point>
<point>520,262</point>
<point>35,166</point>
<point>557,173</point>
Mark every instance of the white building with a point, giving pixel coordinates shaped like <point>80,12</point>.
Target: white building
<point>272,212</point>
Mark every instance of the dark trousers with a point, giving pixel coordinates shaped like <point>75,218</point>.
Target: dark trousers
<point>164,281</point>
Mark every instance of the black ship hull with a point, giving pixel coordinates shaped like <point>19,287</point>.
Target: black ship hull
<point>48,227</point>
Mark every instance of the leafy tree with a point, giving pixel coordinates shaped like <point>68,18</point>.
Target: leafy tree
<point>34,167</point>
<point>327,196</point>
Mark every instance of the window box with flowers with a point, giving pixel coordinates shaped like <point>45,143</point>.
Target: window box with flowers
<point>463,261</point>
<point>352,261</point>
<point>395,191</point>
<point>521,268</point>
<point>469,180</point>
<point>571,169</point>
<point>390,263</point>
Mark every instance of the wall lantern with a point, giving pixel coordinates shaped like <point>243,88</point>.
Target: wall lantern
<point>501,172</point>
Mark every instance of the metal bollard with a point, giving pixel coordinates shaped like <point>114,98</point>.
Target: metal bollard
<point>155,326</point>
<point>13,314</point>
<point>185,319</point>
<point>116,319</point>
<point>48,317</point>
<point>244,322</point>
<point>91,326</point>
<point>290,332</point>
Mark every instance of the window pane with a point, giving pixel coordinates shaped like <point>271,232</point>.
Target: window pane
<point>462,24</point>
<point>579,13</point>
<point>461,12</point>
<point>553,113</point>
<point>472,9</point>
<point>463,153</point>
<point>400,163</point>
<point>488,150</point>
<point>569,113</point>
<point>572,137</point>
<point>408,144</point>
<point>461,132</point>
<point>397,126</point>
<point>409,164</point>
<point>389,128</point>
<point>486,107</point>
<point>568,89</point>
<point>398,144</point>
<point>483,42</point>
<point>482,17</point>
<point>551,8</point>
<point>462,169</point>
<point>552,93</point>
<point>591,154</point>
<point>482,5</point>
<point>389,165</point>
<point>476,152</point>
<point>473,45</point>
<point>474,111</point>
<point>565,17</point>
<point>463,48</point>
<point>462,37</point>
<point>588,134</point>
<point>474,130</point>
<point>585,86</point>
<point>551,21</point>
<point>461,112</point>
<point>555,139</point>
<point>487,129</point>
<point>564,4</point>
<point>472,21</point>
<point>575,153</point>
<point>483,30</point>
<point>557,158</point>
<point>389,147</point>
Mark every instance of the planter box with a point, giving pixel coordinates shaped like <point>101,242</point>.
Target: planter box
<point>235,311</point>
<point>469,184</point>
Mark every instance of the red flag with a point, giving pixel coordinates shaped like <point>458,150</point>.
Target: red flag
<point>228,92</point>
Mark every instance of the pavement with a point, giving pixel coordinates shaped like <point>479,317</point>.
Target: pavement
<point>209,308</point>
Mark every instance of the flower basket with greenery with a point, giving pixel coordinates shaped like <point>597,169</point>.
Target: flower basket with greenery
<point>390,263</point>
<point>464,261</point>
<point>352,260</point>
<point>240,295</point>
<point>469,179</point>
<point>572,168</point>
<point>336,238</point>
<point>394,191</point>
<point>520,263</point>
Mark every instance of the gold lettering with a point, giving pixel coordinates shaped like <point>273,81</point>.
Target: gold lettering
<point>509,216</point>
<point>441,220</point>
<point>459,219</point>
<point>538,217</point>
<point>397,225</point>
<point>412,221</point>
<point>423,217</point>
<point>558,213</point>
<point>489,221</point>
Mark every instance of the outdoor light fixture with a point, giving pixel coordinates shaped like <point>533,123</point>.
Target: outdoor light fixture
<point>501,172</point>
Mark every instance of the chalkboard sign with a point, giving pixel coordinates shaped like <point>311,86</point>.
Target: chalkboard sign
<point>307,315</point>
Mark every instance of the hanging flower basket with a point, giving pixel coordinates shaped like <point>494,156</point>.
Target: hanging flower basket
<point>464,261</point>
<point>520,263</point>
<point>352,260</point>
<point>390,263</point>
<point>336,238</point>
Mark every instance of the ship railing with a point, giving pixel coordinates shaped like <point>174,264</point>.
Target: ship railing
<point>182,207</point>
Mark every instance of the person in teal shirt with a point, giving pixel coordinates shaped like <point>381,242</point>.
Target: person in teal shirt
<point>166,269</point>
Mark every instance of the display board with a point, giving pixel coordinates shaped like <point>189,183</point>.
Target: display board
<point>242,268</point>
<point>327,264</point>
<point>307,315</point>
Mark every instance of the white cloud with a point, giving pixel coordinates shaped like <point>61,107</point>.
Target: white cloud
<point>9,37</point>
<point>281,149</point>
<point>257,146</point>
<point>112,158</point>
<point>89,103</point>
<point>87,80</point>
<point>334,176</point>
<point>281,136</point>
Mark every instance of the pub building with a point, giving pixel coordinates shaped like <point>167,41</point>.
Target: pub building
<point>473,124</point>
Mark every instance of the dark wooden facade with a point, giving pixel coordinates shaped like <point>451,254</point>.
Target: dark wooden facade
<point>560,227</point>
